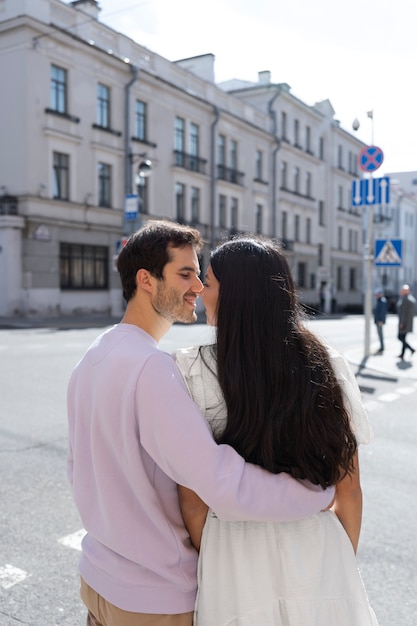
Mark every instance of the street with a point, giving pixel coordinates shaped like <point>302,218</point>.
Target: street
<point>40,530</point>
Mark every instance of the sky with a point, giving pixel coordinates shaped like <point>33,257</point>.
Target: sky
<point>359,54</point>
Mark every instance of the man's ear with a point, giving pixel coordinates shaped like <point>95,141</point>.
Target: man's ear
<point>144,280</point>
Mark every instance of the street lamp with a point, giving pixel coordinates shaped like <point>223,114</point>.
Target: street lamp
<point>143,171</point>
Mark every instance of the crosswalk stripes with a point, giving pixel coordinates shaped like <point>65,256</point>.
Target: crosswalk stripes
<point>73,540</point>
<point>10,575</point>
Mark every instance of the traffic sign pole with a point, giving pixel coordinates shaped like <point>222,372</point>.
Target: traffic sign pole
<point>370,159</point>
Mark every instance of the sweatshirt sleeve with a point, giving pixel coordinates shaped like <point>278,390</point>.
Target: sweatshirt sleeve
<point>176,436</point>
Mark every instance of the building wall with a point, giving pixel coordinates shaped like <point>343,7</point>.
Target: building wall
<point>249,114</point>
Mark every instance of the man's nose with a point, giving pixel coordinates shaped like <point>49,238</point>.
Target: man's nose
<point>198,285</point>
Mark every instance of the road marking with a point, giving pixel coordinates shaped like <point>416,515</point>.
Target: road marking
<point>371,405</point>
<point>388,397</point>
<point>10,575</point>
<point>405,390</point>
<point>73,540</point>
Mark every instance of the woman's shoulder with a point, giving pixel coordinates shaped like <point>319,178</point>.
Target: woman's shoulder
<point>193,360</point>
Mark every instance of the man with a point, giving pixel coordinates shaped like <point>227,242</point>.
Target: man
<point>406,308</point>
<point>380,315</point>
<point>134,434</point>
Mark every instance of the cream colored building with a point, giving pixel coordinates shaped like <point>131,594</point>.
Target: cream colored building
<point>86,109</point>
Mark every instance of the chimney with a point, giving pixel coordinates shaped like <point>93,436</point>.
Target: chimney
<point>264,78</point>
<point>89,7</point>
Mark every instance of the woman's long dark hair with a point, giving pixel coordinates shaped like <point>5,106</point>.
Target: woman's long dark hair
<point>285,407</point>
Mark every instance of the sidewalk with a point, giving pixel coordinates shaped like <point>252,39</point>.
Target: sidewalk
<point>387,363</point>
<point>63,322</point>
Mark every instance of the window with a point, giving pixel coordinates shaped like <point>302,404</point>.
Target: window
<point>284,224</point>
<point>284,126</point>
<point>308,139</point>
<point>320,255</point>
<point>194,146</point>
<point>103,106</point>
<point>352,279</point>
<point>308,230</point>
<point>296,133</point>
<point>233,154</point>
<point>234,213</point>
<point>258,165</point>
<point>284,169</point>
<point>58,89</point>
<point>340,197</point>
<point>297,228</point>
<point>340,157</point>
<point>339,279</point>
<point>221,150</point>
<point>340,238</point>
<point>83,267</point>
<point>195,205</point>
<point>258,216</point>
<point>350,240</point>
<point>321,148</point>
<point>321,212</point>
<point>222,211</point>
<point>179,134</point>
<point>308,185</point>
<point>296,172</point>
<point>143,193</point>
<point>179,141</point>
<point>104,185</point>
<point>301,274</point>
<point>60,176</point>
<point>180,202</point>
<point>140,120</point>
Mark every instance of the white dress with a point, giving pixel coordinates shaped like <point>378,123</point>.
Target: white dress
<point>301,573</point>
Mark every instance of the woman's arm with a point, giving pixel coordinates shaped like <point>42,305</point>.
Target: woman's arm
<point>348,503</point>
<point>194,513</point>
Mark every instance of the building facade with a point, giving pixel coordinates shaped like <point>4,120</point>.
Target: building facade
<point>89,113</point>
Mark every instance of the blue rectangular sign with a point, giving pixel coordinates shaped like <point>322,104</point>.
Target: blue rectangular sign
<point>368,191</point>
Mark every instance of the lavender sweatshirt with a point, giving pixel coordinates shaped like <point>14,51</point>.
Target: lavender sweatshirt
<point>134,433</point>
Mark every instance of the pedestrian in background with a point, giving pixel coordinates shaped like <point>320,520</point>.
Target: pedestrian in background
<point>406,307</point>
<point>380,315</point>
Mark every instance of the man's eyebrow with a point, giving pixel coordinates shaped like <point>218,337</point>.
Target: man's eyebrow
<point>186,268</point>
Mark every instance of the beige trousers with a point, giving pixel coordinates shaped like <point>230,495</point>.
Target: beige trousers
<point>102,613</point>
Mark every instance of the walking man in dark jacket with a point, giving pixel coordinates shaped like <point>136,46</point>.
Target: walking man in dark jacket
<point>380,315</point>
<point>406,308</point>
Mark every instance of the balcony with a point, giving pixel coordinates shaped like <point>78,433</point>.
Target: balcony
<point>230,175</point>
<point>189,162</point>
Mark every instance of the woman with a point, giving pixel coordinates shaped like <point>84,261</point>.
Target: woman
<point>272,390</point>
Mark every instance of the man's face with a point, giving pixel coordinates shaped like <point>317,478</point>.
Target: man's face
<point>176,293</point>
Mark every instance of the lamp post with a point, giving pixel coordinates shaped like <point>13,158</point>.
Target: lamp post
<point>144,170</point>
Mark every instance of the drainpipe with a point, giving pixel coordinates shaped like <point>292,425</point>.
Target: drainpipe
<point>128,165</point>
<point>213,177</point>
<point>273,116</point>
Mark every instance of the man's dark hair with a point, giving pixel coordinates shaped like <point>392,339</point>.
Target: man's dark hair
<point>148,248</point>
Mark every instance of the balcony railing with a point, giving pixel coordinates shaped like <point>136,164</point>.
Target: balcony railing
<point>190,162</point>
<point>230,175</point>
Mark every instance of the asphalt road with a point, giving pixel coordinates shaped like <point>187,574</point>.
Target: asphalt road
<point>40,529</point>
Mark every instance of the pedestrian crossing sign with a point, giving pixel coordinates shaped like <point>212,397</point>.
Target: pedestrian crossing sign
<point>388,252</point>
